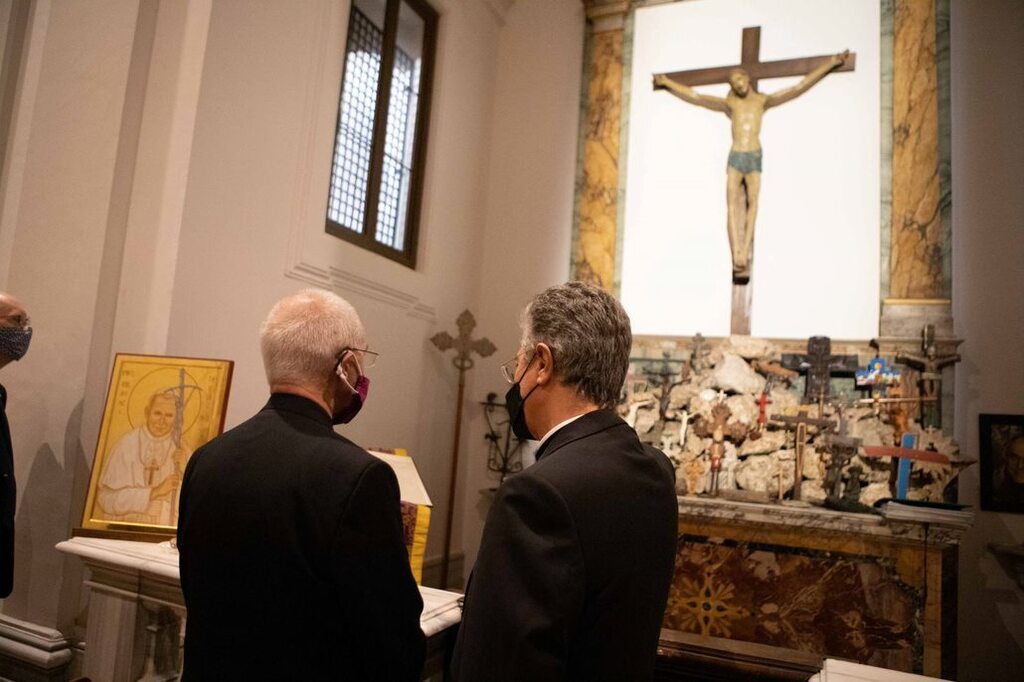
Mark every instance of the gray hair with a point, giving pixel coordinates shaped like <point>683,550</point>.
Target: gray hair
<point>589,336</point>
<point>303,335</point>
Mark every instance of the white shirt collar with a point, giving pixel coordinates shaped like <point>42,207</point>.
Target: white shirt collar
<point>555,428</point>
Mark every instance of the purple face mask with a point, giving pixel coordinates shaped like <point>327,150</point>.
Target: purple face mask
<point>359,394</point>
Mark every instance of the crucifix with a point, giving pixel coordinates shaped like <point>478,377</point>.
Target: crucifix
<point>799,424</point>
<point>745,107</point>
<point>464,346</point>
<point>929,365</point>
<point>841,447</point>
<point>819,365</point>
<point>666,377</point>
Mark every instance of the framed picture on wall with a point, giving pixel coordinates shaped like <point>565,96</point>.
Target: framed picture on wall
<point>1002,462</point>
<point>158,411</point>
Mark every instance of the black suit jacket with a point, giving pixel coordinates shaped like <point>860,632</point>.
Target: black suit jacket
<point>7,501</point>
<point>293,563</point>
<point>575,562</point>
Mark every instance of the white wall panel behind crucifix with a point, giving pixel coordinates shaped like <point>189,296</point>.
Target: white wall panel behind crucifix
<point>816,245</point>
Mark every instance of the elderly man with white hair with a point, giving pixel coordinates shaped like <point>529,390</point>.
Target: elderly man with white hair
<point>293,563</point>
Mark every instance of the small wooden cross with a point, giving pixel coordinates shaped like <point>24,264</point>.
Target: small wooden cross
<point>799,423</point>
<point>750,61</point>
<point>903,458</point>
<point>699,352</point>
<point>820,365</point>
<point>665,377</point>
<point>842,447</point>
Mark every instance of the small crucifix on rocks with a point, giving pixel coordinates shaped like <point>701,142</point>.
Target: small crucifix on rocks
<point>799,424</point>
<point>819,365</point>
<point>929,366</point>
<point>745,107</point>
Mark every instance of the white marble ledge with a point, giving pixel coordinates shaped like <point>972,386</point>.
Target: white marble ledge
<point>440,607</point>
<point>804,516</point>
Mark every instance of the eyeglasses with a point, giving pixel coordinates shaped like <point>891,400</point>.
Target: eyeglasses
<point>369,358</point>
<point>508,369</point>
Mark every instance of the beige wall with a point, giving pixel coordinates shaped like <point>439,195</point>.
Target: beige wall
<point>529,205</point>
<point>988,274</point>
<point>166,182</point>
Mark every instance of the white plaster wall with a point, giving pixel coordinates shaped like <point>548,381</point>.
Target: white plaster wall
<point>256,200</point>
<point>57,186</point>
<point>988,276</point>
<point>528,223</point>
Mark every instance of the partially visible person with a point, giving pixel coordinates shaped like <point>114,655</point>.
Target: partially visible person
<point>578,550</point>
<point>293,564</point>
<point>142,474</point>
<point>15,335</point>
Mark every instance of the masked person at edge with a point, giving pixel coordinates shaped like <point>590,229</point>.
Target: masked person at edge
<point>578,550</point>
<point>293,563</point>
<point>15,336</point>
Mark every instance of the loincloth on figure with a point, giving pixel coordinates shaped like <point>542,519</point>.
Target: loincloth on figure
<point>745,162</point>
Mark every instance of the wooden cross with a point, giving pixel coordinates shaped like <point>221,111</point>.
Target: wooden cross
<point>902,458</point>
<point>464,344</point>
<point>799,423</point>
<point>750,61</point>
<point>820,365</point>
<point>842,447</point>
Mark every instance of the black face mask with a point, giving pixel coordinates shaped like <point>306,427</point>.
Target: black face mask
<point>514,402</point>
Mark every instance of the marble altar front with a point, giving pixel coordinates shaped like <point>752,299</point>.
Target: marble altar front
<point>136,616</point>
<point>807,580</point>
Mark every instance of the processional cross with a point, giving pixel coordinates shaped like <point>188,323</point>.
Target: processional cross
<point>464,346</point>
<point>745,106</point>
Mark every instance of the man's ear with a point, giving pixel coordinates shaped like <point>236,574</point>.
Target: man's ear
<point>545,364</point>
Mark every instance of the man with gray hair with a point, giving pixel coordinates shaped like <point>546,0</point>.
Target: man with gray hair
<point>578,550</point>
<point>293,562</point>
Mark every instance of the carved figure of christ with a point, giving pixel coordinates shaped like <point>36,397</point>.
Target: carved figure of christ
<point>745,107</point>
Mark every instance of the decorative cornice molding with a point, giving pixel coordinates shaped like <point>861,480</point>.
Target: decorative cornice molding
<point>338,280</point>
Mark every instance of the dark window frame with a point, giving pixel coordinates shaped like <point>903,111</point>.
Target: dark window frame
<point>367,238</point>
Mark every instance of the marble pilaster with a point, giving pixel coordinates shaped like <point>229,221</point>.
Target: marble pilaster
<point>919,282</point>
<point>597,209</point>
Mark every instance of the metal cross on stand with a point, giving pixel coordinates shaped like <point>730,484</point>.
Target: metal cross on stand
<point>819,365</point>
<point>799,423</point>
<point>464,346</point>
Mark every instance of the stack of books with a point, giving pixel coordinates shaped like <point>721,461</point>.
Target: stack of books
<point>954,515</point>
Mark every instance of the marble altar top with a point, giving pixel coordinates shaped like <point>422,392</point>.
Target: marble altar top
<point>440,607</point>
<point>808,517</point>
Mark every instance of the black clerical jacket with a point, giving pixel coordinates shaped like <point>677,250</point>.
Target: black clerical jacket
<point>293,563</point>
<point>7,501</point>
<point>575,563</point>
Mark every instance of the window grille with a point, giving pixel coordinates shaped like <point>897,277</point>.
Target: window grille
<point>376,172</point>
